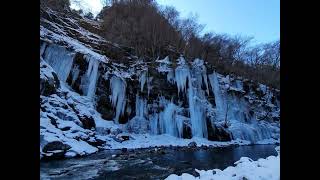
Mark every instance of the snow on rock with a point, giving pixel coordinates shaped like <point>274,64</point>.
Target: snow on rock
<point>148,140</point>
<point>164,65</point>
<point>245,168</point>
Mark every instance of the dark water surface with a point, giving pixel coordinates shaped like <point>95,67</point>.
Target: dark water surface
<point>148,164</point>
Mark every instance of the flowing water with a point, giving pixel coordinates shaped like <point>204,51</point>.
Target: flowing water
<point>150,164</point>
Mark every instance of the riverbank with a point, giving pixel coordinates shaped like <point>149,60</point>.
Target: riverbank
<point>150,163</point>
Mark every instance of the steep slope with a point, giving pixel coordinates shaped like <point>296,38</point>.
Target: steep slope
<point>93,91</point>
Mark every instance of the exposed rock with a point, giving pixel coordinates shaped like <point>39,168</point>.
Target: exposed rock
<point>187,134</point>
<point>192,144</point>
<point>55,145</point>
<point>87,122</point>
<point>54,150</point>
<point>217,133</point>
<point>121,137</point>
<point>124,150</point>
<point>97,142</point>
<point>49,81</point>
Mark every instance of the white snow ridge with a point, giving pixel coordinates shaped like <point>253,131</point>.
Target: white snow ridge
<point>245,168</point>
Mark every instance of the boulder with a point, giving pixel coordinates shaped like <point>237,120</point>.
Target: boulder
<point>49,82</point>
<point>217,133</point>
<point>55,150</point>
<point>87,121</point>
<point>55,145</point>
<point>192,144</point>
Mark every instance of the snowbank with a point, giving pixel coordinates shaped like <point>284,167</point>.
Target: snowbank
<point>245,168</point>
<point>146,141</point>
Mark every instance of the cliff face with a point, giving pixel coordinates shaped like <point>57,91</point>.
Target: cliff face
<point>92,90</point>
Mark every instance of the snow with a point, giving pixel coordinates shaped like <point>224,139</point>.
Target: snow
<point>45,70</point>
<point>268,141</point>
<point>72,43</point>
<point>245,168</point>
<point>166,60</point>
<point>164,65</point>
<point>80,147</point>
<point>148,140</point>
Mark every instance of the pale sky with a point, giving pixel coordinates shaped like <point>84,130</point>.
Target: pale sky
<point>257,18</point>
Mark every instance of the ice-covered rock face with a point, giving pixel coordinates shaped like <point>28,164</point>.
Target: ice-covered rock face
<point>243,114</point>
<point>84,91</point>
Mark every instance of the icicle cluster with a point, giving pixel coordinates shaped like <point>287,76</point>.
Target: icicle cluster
<point>89,80</point>
<point>118,96</point>
<point>59,59</point>
<point>142,79</point>
<point>184,76</point>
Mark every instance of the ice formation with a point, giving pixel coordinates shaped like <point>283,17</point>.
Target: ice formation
<point>188,81</point>
<point>234,112</point>
<point>141,107</point>
<point>59,59</point>
<point>118,96</point>
<point>89,80</point>
<point>167,120</point>
<point>143,79</point>
<point>220,106</point>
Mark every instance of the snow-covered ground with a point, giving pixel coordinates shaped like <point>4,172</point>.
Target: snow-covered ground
<point>245,168</point>
<point>147,140</point>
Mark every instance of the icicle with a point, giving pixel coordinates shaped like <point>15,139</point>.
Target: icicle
<point>169,121</point>
<point>142,80</point>
<point>182,74</point>
<point>118,95</point>
<point>205,78</point>
<point>43,48</point>
<point>149,86</point>
<point>89,80</point>
<point>75,73</point>
<point>197,116</point>
<point>170,77</point>
<point>193,78</point>
<point>219,101</point>
<point>154,129</point>
<point>141,107</point>
<point>60,60</point>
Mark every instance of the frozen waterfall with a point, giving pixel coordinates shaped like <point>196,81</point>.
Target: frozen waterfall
<point>188,82</point>
<point>220,106</point>
<point>235,111</point>
<point>59,59</point>
<point>118,96</point>
<point>169,123</point>
<point>89,80</point>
